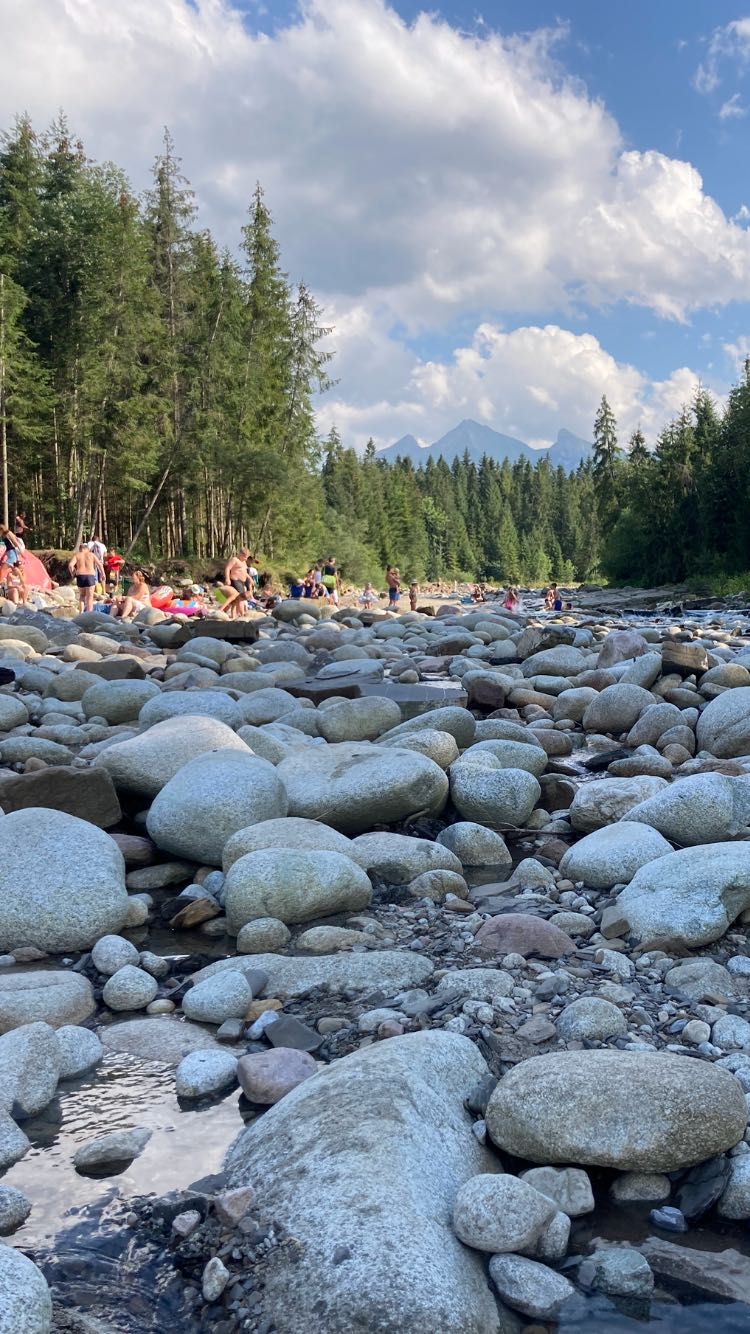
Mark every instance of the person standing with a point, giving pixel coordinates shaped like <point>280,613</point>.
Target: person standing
<point>96,545</point>
<point>20,526</point>
<point>87,568</point>
<point>393,580</point>
<point>330,580</point>
<point>237,575</point>
<point>413,595</point>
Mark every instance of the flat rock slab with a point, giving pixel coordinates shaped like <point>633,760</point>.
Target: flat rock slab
<point>163,1039</point>
<point>235,632</point>
<point>88,793</point>
<point>384,970</point>
<point>721,1273</point>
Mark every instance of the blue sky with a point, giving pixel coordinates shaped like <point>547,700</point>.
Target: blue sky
<point>505,210</point>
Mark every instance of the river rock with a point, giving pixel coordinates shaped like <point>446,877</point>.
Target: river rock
<point>612,855</point>
<point>635,1111</point>
<point>163,1039</point>
<point>497,1212</point>
<point>511,754</point>
<point>80,1050</point>
<point>386,970</point>
<point>112,1150</point>
<point>82,792</point>
<point>29,1069</point>
<point>591,1019</point>
<point>437,746</point>
<point>146,763</point>
<point>204,1073</point>
<point>687,898</point>
<point>609,799</point>
<point>289,832</point>
<point>563,660</point>
<point>352,786</point>
<point>620,1272</point>
<point>25,1301</point>
<point>207,703</point>
<point>226,995</point>
<point>530,1287</point>
<point>113,952</point>
<point>699,978</point>
<point>619,646</point>
<point>494,797</point>
<point>53,997</point>
<point>723,728</point>
<point>268,1076</point>
<point>398,858</point>
<point>129,988</point>
<point>13,713</point>
<point>209,799</point>
<point>735,1199</point>
<point>704,808</point>
<point>118,701</point>
<point>616,709</point>
<point>62,882</point>
<point>14,1210</point>
<point>359,719</point>
<point>293,886</point>
<point>392,1117</point>
<point>484,984</point>
<point>568,1187</point>
<point>474,845</point>
<point>264,933</point>
<point>524,934</point>
<point>459,723</point>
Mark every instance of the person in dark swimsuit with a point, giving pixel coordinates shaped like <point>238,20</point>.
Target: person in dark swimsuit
<point>88,569</point>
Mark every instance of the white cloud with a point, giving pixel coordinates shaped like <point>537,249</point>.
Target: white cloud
<point>733,108</point>
<point>727,45</point>
<point>421,178</point>
<point>528,382</point>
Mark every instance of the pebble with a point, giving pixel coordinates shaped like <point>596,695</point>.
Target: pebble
<point>669,1219</point>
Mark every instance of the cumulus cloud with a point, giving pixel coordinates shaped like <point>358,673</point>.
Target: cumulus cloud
<point>525,382</point>
<point>422,179</point>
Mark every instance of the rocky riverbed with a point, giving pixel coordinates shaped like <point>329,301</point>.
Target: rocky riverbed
<point>385,972</point>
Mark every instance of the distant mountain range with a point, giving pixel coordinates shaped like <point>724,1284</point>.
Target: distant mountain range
<point>568,450</point>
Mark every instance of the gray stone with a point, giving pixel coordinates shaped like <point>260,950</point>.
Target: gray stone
<point>263,934</point>
<point>735,1199</point>
<point>723,728</point>
<point>214,1280</point>
<point>641,1188</point>
<point>113,952</point>
<point>398,858</point>
<point>497,1212</point>
<point>386,970</point>
<point>493,796</point>
<point>146,763</point>
<point>53,997</point>
<point>80,1050</point>
<point>616,709</point>
<point>13,1145</point>
<point>25,1301</point>
<point>209,799</point>
<point>293,886</point>
<point>609,799</point>
<point>474,845</point>
<point>118,701</point>
<point>29,1069</point>
<point>129,989</point>
<point>289,832</point>
<point>268,1076</point>
<point>258,707</point>
<point>119,1146</point>
<point>612,855</point>
<point>622,1272</point>
<point>530,1287</point>
<point>13,713</point>
<point>704,808</point>
<point>591,1019</point>
<point>636,1111</point>
<point>203,1073</point>
<point>359,719</point>
<point>511,755</point>
<point>699,978</point>
<point>687,898</point>
<point>206,703</point>
<point>357,784</point>
<point>62,882</point>
<point>162,1039</point>
<point>568,1187</point>
<point>484,984</point>
<point>391,1117</point>
<point>226,995</point>
<point>14,1209</point>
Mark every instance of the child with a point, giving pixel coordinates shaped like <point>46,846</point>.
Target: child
<point>413,594</point>
<point>369,597</point>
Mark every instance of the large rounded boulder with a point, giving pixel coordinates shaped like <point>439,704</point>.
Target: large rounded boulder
<point>723,728</point>
<point>145,763</point>
<point>289,832</point>
<point>612,855</point>
<point>118,701</point>
<point>62,882</point>
<point>634,1111</point>
<point>354,785</point>
<point>293,886</point>
<point>209,799</point>
<point>492,796</point>
<point>705,808</point>
<point>685,899</point>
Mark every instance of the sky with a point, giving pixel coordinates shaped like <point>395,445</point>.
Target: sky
<point>506,210</point>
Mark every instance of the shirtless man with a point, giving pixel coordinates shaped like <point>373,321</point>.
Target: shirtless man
<point>87,568</point>
<point>237,575</point>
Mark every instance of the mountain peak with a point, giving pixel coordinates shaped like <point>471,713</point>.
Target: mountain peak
<point>478,439</point>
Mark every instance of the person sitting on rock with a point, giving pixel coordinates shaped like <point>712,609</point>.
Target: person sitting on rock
<point>138,598</point>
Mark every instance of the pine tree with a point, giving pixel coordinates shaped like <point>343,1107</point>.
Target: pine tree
<point>606,461</point>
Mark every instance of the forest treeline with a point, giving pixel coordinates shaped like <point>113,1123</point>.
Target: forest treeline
<point>161,391</point>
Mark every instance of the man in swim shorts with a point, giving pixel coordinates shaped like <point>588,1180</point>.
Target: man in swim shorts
<point>237,575</point>
<point>87,568</point>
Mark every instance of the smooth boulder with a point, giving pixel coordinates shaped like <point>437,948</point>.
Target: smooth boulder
<point>704,808</point>
<point>385,1124</point>
<point>209,799</point>
<point>687,898</point>
<point>634,1111</point>
<point>354,785</point>
<point>612,855</point>
<point>608,799</point>
<point>146,763</point>
<point>723,728</point>
<point>293,886</point>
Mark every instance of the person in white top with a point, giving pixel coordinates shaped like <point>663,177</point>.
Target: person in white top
<point>96,545</point>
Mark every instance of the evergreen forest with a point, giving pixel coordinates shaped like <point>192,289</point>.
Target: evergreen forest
<point>161,391</point>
